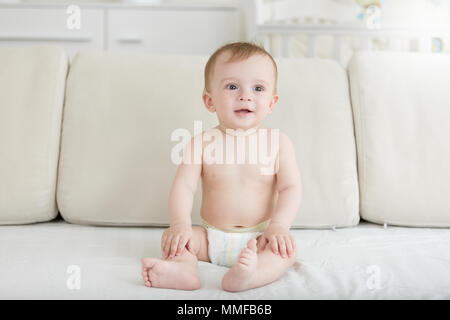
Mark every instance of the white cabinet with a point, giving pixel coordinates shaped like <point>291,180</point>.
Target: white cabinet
<point>174,29</point>
<point>170,30</point>
<point>28,26</point>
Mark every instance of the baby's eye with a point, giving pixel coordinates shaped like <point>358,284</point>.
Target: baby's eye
<point>231,87</point>
<point>259,88</point>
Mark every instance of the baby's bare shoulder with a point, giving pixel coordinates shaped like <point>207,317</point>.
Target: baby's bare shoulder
<point>283,138</point>
<point>285,141</point>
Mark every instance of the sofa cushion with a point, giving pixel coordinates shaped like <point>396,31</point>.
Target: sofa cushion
<point>32,81</point>
<point>122,107</point>
<point>401,107</point>
<point>121,110</point>
<point>314,111</point>
<point>49,261</point>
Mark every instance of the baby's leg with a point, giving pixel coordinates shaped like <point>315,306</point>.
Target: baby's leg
<point>179,272</point>
<point>256,270</point>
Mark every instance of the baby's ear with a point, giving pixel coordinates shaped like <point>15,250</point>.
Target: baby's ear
<point>273,102</point>
<point>207,100</point>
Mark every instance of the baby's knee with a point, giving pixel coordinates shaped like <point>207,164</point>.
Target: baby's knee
<point>200,234</point>
<point>200,242</point>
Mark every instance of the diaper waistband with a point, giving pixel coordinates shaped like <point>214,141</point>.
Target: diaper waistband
<point>260,227</point>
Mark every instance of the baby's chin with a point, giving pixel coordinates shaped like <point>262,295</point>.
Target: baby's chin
<point>241,123</point>
<point>240,126</point>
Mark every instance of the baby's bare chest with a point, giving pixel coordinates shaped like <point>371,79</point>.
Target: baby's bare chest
<point>239,161</point>
<point>236,175</point>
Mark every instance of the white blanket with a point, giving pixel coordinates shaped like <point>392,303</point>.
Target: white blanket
<point>364,262</point>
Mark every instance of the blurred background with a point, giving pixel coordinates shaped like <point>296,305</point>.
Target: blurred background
<point>331,29</point>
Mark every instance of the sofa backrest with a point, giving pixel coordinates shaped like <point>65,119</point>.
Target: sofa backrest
<point>401,104</point>
<point>122,108</point>
<point>314,111</point>
<point>32,81</point>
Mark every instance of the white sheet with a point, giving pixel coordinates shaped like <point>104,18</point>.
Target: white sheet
<point>411,263</point>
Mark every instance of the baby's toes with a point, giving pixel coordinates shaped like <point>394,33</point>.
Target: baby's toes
<point>244,255</point>
<point>251,245</point>
<point>249,253</point>
<point>244,260</point>
<point>146,280</point>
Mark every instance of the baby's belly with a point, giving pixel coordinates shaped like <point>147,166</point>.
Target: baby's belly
<point>231,209</point>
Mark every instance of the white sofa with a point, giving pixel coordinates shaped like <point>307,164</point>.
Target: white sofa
<point>92,141</point>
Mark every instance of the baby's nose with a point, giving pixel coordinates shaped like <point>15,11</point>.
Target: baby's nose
<point>245,94</point>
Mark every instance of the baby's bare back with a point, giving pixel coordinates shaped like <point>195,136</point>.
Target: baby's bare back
<point>237,195</point>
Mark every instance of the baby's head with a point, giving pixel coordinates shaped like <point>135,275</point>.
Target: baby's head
<point>240,85</point>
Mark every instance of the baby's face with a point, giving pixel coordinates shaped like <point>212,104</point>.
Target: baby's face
<point>241,91</point>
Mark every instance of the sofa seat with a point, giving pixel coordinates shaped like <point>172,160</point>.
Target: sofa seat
<point>363,262</point>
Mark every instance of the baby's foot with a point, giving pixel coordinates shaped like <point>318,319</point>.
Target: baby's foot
<point>169,274</point>
<point>238,277</point>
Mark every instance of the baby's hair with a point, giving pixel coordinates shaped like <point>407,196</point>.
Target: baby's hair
<point>239,51</point>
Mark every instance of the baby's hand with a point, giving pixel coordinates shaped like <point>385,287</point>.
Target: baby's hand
<point>174,240</point>
<point>280,240</point>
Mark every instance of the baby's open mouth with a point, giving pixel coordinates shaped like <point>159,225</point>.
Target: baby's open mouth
<point>243,111</point>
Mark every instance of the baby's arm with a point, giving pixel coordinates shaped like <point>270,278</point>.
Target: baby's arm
<point>289,200</point>
<point>288,184</point>
<point>181,199</point>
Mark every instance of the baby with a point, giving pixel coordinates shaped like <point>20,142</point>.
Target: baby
<point>248,206</point>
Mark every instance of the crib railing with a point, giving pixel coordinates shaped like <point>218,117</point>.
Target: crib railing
<point>278,38</point>
<point>273,24</point>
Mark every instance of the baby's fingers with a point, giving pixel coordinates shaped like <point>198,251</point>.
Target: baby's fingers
<point>163,241</point>
<point>166,246</point>
<point>190,247</point>
<point>173,246</point>
<point>274,244</point>
<point>294,245</point>
<point>282,246</point>
<point>181,245</point>
<point>289,246</point>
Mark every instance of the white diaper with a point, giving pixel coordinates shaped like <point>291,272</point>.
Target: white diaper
<point>224,247</point>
